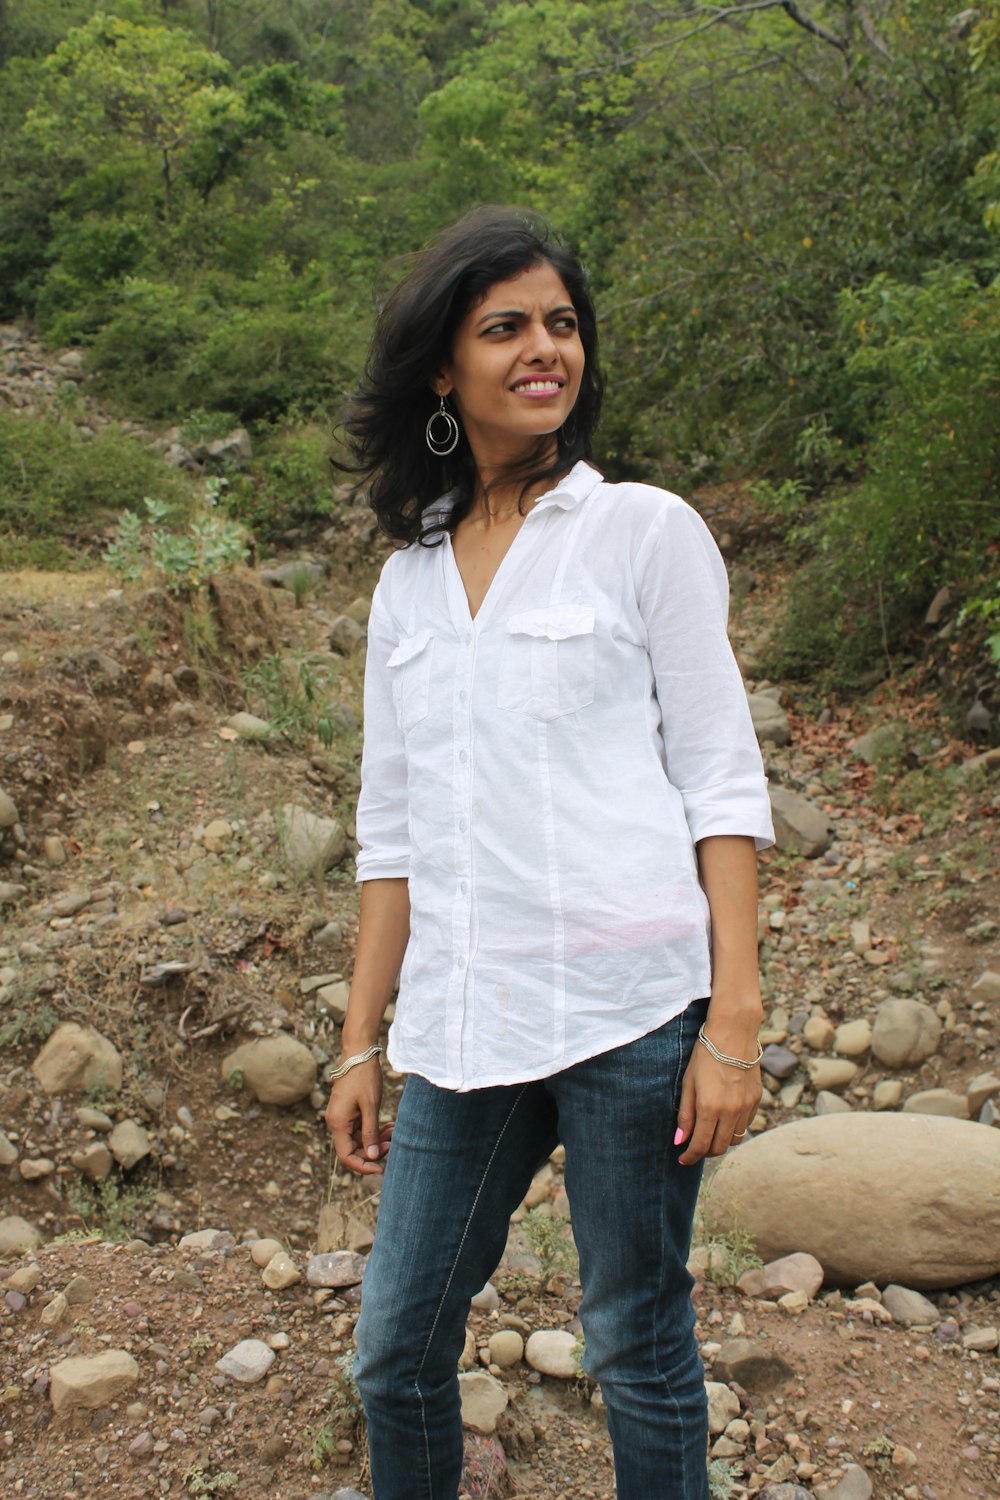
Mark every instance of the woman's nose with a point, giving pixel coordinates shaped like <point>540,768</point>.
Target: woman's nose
<point>541,345</point>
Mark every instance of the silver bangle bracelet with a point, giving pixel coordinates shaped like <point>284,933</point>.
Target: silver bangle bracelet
<point>352,1062</point>
<point>737,1062</point>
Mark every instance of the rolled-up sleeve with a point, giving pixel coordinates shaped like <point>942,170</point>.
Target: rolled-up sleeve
<point>712,755</point>
<point>383,819</point>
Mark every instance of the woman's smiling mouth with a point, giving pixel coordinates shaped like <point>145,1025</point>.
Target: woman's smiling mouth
<point>550,386</point>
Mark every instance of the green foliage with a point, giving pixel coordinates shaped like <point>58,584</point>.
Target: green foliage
<point>792,234</point>
<point>923,365</point>
<point>109,1208</point>
<point>180,560</point>
<point>288,692</point>
<point>730,1252</point>
<point>721,1478</point>
<point>29,1023</point>
<point>52,480</point>
<point>197,1481</point>
<point>291,481</point>
<point>551,1243</point>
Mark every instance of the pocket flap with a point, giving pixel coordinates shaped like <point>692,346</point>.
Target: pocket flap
<point>556,623</point>
<point>409,647</point>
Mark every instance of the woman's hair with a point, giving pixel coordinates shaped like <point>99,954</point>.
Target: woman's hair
<point>386,419</point>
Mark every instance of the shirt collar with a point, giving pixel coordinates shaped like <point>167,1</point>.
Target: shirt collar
<point>580,482</point>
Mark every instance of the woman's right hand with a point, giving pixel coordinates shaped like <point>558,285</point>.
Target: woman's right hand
<point>352,1117</point>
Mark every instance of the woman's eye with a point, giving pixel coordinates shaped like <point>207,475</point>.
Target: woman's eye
<point>568,325</point>
<point>500,327</point>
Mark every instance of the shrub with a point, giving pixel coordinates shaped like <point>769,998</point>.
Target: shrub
<point>51,477</point>
<point>923,361</point>
<point>291,481</point>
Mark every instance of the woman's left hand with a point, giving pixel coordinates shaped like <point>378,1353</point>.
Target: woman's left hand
<point>718,1101</point>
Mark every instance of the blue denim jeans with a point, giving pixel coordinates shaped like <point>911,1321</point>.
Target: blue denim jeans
<point>458,1166</point>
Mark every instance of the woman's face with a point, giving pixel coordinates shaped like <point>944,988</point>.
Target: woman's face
<point>516,365</point>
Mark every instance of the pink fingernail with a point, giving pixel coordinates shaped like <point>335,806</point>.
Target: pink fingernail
<point>678,1135</point>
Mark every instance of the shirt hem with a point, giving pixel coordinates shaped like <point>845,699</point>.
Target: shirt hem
<point>443,1080</point>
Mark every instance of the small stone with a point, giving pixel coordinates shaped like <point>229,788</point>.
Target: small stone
<point>77,1057</point>
<point>336,1268</point>
<point>24,1279</point>
<point>987,987</point>
<point>332,999</point>
<point>261,1251</point>
<point>908,1306</point>
<point>831,1073</point>
<point>33,1169</point>
<point>53,1312</point>
<point>937,1102</point>
<point>141,1446</point>
<point>793,1302</point>
<point>853,1038</point>
<point>274,1069</point>
<point>53,850</point>
<point>249,727</point>
<point>280,1272</point>
<point>887,1093</point>
<point>488,1300</point>
<point>553,1351</point>
<point>818,1033</point>
<point>346,635</point>
<point>752,1365</point>
<point>93,1161</point>
<point>723,1405</point>
<point>780,1062</point>
<point>79,1291</point>
<point>979,1089</point>
<point>861,936</point>
<point>17,1235</point>
<point>483,1400</point>
<point>207,1239</point>
<point>982,1339</point>
<point>506,1348</point>
<point>129,1143</point>
<point>93,1382</point>
<point>247,1362</point>
<point>855,1485</point>
<point>217,835</point>
<point>828,1103</point>
<point>799,1272</point>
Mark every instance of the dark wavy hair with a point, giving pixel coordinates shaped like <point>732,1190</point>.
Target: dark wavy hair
<point>415,327</point>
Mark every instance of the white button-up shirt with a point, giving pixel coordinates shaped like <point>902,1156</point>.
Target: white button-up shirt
<point>541,774</point>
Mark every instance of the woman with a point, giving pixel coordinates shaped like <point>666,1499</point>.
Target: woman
<point>560,788</point>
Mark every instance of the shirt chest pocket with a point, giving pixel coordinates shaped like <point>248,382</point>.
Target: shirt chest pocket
<point>547,662</point>
<point>410,665</point>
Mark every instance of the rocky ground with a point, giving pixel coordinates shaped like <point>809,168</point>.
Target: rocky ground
<point>178,924</point>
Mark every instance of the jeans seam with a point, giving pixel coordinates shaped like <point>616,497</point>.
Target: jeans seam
<point>447,1286</point>
<point>662,1375</point>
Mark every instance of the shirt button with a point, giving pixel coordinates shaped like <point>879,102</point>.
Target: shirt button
<point>464,887</point>
<point>462,824</point>
<point>463,756</point>
<point>463,696</point>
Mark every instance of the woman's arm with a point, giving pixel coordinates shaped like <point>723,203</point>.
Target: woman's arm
<point>719,1100</point>
<point>352,1114</point>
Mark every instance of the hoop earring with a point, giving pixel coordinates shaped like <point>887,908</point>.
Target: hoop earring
<point>442,446</point>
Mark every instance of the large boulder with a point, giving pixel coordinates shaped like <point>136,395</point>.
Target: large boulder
<point>909,1198</point>
<point>274,1069</point>
<point>799,825</point>
<point>77,1057</point>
